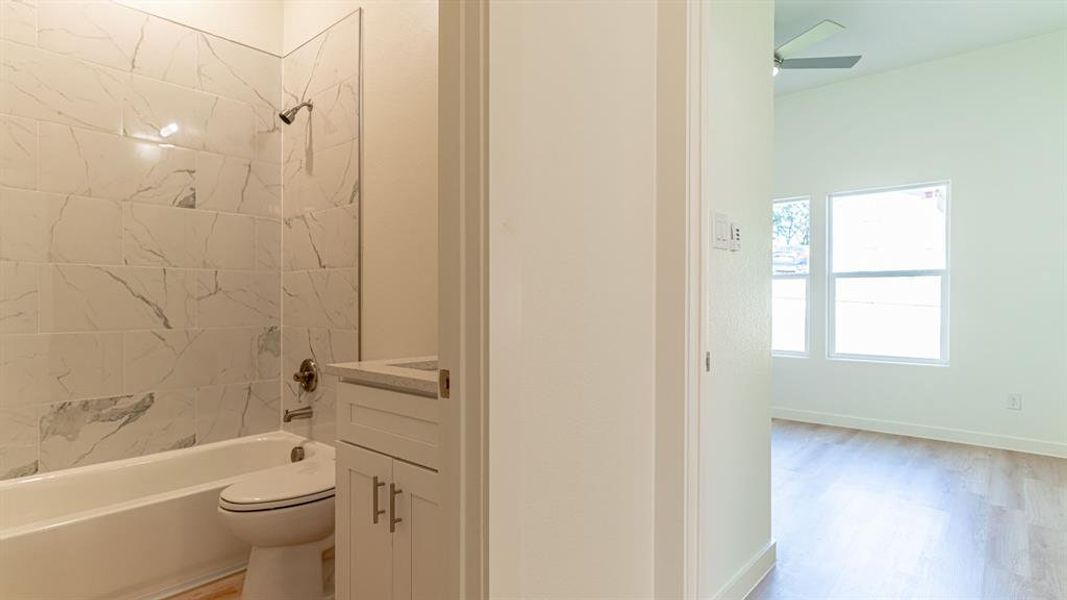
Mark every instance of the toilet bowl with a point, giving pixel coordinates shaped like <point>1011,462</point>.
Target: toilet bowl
<point>286,515</point>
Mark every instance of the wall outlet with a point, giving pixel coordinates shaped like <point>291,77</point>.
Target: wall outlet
<point>1014,402</point>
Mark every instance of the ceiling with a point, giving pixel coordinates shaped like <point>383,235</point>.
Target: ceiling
<point>895,33</point>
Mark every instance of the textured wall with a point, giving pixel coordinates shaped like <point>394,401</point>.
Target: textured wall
<point>140,236</point>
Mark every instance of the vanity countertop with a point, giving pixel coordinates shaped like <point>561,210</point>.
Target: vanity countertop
<point>416,375</point>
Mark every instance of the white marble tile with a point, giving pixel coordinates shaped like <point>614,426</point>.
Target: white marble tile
<point>324,345</point>
<point>237,185</point>
<point>326,60</point>
<point>42,85</point>
<point>268,144</point>
<point>238,299</point>
<point>166,113</point>
<point>268,245</point>
<point>18,442</point>
<point>232,411</point>
<point>19,296</point>
<point>166,360</point>
<point>167,52</point>
<point>321,179</point>
<point>333,120</point>
<point>238,72</point>
<point>18,152</point>
<point>321,240</point>
<point>18,21</point>
<point>94,298</point>
<point>86,432</point>
<point>46,368</point>
<point>325,298</point>
<point>178,237</point>
<point>44,227</point>
<point>88,163</point>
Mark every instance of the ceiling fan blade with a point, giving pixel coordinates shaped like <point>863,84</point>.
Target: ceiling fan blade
<point>810,37</point>
<point>825,62</point>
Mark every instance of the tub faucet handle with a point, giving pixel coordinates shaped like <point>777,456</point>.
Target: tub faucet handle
<point>308,375</point>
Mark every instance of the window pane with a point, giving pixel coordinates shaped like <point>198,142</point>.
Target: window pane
<point>888,316</point>
<point>789,315</point>
<point>890,231</point>
<point>791,225</point>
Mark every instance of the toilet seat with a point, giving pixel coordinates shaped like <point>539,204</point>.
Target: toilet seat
<point>281,487</point>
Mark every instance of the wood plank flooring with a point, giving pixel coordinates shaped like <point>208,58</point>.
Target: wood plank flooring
<point>867,515</point>
<point>228,588</point>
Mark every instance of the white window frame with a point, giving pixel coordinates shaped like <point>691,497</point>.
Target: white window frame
<point>831,281</point>
<point>806,352</point>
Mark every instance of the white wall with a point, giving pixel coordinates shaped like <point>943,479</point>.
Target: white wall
<point>257,24</point>
<point>735,511</point>
<point>399,178</point>
<point>572,299</point>
<point>994,122</point>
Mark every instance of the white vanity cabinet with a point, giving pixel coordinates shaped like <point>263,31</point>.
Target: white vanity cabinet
<point>388,529</point>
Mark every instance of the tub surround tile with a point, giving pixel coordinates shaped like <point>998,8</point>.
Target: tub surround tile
<point>19,294</point>
<point>42,85</point>
<point>89,163</point>
<point>97,298</point>
<point>18,152</point>
<point>41,369</point>
<point>227,412</point>
<point>238,298</point>
<point>321,179</point>
<point>322,240</point>
<point>268,245</point>
<point>44,227</point>
<point>237,185</point>
<point>18,442</point>
<point>229,69</point>
<point>326,298</point>
<point>326,60</point>
<point>334,120</point>
<point>176,237</point>
<point>86,432</point>
<point>19,18</point>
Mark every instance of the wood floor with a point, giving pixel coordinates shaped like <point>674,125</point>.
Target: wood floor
<point>867,515</point>
<point>223,589</point>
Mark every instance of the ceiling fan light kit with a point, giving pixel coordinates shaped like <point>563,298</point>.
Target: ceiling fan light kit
<point>785,55</point>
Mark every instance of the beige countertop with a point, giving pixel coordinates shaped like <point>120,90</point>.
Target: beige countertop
<point>417,375</point>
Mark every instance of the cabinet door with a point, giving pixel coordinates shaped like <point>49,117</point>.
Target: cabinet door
<point>364,548</point>
<point>417,543</point>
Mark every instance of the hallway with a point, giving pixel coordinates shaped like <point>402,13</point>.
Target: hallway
<point>867,515</point>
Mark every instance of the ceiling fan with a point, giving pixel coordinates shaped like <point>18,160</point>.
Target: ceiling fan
<point>783,55</point>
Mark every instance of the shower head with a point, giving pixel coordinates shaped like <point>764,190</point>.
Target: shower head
<point>288,115</point>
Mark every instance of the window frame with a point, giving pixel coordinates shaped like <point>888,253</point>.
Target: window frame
<point>806,352</point>
<point>831,281</point>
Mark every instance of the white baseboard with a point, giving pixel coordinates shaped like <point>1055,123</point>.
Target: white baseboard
<point>746,580</point>
<point>942,434</point>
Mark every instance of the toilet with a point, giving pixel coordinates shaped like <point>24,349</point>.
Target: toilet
<point>286,514</point>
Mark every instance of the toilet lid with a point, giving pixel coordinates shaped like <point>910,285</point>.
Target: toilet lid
<point>280,487</point>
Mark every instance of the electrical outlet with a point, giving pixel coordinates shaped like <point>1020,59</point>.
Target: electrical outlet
<point>1014,402</point>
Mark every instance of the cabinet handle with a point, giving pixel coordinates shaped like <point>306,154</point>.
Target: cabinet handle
<point>393,519</point>
<point>374,492</point>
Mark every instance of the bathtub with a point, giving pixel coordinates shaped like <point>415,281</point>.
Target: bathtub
<point>140,528</point>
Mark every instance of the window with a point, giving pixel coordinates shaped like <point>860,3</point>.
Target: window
<point>888,283</point>
<point>791,225</point>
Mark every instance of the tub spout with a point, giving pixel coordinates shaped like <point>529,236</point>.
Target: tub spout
<point>303,412</point>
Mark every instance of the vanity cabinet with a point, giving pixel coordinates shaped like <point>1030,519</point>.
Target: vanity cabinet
<point>389,521</point>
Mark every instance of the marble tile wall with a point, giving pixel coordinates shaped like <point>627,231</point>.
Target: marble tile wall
<point>320,216</point>
<point>141,231</point>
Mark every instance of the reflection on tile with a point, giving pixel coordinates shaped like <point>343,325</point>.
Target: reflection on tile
<point>18,297</point>
<point>237,185</point>
<point>43,227</point>
<point>18,152</point>
<point>85,432</point>
<point>226,412</point>
<point>268,245</point>
<point>238,298</point>
<point>328,59</point>
<point>321,240</point>
<point>87,163</point>
<point>39,369</point>
<point>326,298</point>
<point>41,85</point>
<point>18,442</point>
<point>88,298</point>
<point>19,20</point>
<point>322,179</point>
<point>167,360</point>
<point>176,237</point>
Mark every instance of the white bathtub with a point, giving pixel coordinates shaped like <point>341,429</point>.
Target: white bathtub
<point>137,528</point>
